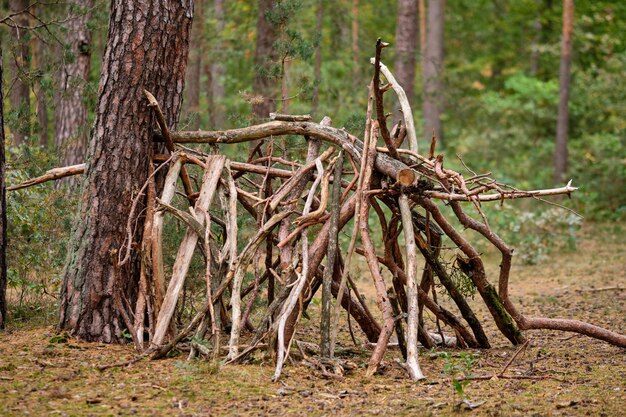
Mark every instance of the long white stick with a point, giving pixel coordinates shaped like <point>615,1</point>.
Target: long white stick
<point>412,363</point>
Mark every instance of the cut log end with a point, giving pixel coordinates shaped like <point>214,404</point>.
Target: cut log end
<point>406,177</point>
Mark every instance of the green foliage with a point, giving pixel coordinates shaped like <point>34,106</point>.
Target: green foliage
<point>459,368</point>
<point>462,282</point>
<point>39,221</point>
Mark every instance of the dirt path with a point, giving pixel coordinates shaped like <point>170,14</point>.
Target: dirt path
<point>45,374</point>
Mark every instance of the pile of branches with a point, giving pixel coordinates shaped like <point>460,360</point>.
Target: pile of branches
<point>343,178</point>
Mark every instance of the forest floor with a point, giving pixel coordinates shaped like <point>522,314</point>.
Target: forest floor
<point>42,373</point>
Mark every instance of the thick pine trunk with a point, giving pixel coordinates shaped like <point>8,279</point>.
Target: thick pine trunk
<point>19,68</point>
<point>3,209</point>
<point>263,60</point>
<point>406,46</point>
<point>147,48</point>
<point>432,66</point>
<point>71,116</point>
<point>560,154</point>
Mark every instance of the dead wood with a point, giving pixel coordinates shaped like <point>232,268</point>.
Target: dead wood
<point>280,193</point>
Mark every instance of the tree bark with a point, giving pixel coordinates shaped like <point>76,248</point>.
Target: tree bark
<point>147,48</point>
<point>355,35</point>
<point>422,17</point>
<point>263,59</point>
<point>406,46</point>
<point>71,115</point>
<point>3,208</point>
<point>39,57</point>
<point>432,66</point>
<point>194,68</point>
<point>317,70</point>
<point>560,154</point>
<point>216,72</point>
<point>19,68</point>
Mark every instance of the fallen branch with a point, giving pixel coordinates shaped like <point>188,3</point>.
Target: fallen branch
<point>50,175</point>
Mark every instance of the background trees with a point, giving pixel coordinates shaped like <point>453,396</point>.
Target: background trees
<point>71,115</point>
<point>3,208</point>
<point>562,126</point>
<point>432,70</point>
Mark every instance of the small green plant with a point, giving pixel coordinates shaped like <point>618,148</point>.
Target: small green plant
<point>460,369</point>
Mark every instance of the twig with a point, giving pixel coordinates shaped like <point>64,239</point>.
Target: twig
<point>521,348</point>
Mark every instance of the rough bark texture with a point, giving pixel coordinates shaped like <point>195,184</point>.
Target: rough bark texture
<point>3,209</point>
<point>432,66</point>
<point>560,154</point>
<point>147,48</point>
<point>194,69</point>
<point>19,67</point>
<point>406,46</point>
<point>71,130</point>
<point>263,59</point>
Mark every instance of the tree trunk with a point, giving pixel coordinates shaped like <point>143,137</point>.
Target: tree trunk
<point>406,46</point>
<point>263,59</point>
<point>317,70</point>
<point>71,116</point>
<point>432,66</point>
<point>216,71</point>
<point>535,54</point>
<point>146,48</point>
<point>422,17</point>
<point>3,209</point>
<point>194,69</point>
<point>560,154</point>
<point>39,58</point>
<point>355,39</point>
<point>19,67</point>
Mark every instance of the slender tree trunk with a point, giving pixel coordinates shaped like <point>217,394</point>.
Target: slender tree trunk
<point>264,58</point>
<point>71,116</point>
<point>432,67</point>
<point>194,69</point>
<point>560,154</point>
<point>535,54</point>
<point>317,70</point>
<point>3,208</point>
<point>216,71</point>
<point>406,46</point>
<point>42,108</point>
<point>19,68</point>
<point>355,38</point>
<point>146,48</point>
<point>422,17</point>
<point>285,86</point>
